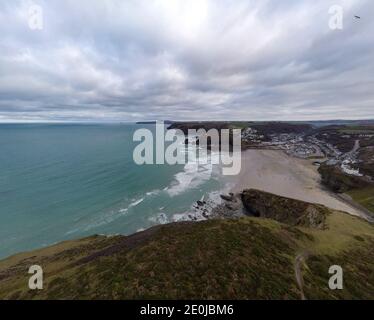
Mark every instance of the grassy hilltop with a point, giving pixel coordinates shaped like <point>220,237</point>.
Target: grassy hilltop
<point>247,258</point>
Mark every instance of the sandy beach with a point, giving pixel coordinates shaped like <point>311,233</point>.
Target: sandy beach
<point>274,171</point>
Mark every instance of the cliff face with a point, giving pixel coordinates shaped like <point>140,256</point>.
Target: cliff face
<point>246,258</point>
<point>285,210</point>
<point>337,181</point>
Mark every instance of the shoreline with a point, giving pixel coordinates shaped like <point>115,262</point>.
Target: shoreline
<point>276,172</point>
<point>268,170</point>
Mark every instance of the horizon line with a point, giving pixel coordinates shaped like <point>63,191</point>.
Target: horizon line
<point>165,120</point>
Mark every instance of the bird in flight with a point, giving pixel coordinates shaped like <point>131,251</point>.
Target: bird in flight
<point>357,17</point>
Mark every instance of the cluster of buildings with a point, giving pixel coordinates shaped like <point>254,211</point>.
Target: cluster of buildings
<point>294,144</point>
<point>349,159</point>
<point>305,147</point>
<point>347,168</point>
<point>252,135</point>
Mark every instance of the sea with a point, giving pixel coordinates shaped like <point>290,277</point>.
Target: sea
<point>67,181</point>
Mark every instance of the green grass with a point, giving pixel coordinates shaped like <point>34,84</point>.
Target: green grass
<point>342,234</point>
<point>364,197</point>
<point>215,259</point>
<point>248,258</point>
<point>357,130</point>
<point>358,275</point>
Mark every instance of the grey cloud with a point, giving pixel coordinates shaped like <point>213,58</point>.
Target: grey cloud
<point>186,60</point>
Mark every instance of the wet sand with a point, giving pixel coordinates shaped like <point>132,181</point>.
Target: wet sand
<point>274,171</point>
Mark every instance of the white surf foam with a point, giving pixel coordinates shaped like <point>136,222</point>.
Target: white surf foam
<point>195,173</point>
<point>112,215</point>
<point>198,213</point>
<point>160,218</point>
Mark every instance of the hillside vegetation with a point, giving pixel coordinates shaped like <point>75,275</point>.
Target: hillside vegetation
<point>247,258</point>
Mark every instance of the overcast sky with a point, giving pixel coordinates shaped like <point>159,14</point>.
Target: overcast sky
<point>135,60</point>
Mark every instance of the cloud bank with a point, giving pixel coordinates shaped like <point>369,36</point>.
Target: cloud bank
<point>134,60</point>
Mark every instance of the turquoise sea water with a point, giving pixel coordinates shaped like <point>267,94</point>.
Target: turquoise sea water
<point>60,182</point>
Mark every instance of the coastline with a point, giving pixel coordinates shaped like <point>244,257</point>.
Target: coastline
<point>276,172</point>
<point>268,170</point>
<point>272,171</point>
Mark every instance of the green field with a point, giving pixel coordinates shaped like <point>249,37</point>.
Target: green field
<point>357,130</point>
<point>364,197</point>
<point>248,258</point>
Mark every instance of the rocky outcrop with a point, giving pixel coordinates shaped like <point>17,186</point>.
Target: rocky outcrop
<point>229,198</point>
<point>290,211</point>
<point>336,180</point>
